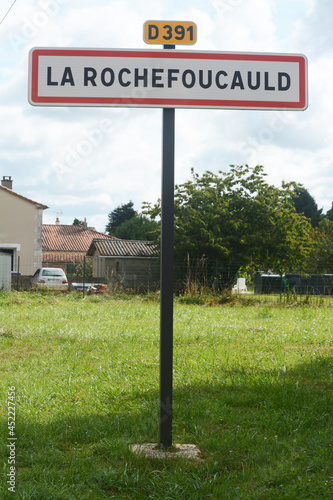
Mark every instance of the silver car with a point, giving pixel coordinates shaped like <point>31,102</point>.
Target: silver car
<point>53,278</point>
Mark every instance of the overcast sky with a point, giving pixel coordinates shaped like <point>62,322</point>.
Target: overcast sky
<point>46,149</point>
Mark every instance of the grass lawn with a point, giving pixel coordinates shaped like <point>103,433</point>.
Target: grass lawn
<point>252,390</point>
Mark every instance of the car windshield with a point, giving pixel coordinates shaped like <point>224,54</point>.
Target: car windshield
<point>52,272</point>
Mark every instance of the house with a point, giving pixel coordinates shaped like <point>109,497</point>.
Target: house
<point>66,245</point>
<point>20,228</point>
<point>130,264</point>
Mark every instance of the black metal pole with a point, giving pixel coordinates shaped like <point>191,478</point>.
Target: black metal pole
<point>166,273</point>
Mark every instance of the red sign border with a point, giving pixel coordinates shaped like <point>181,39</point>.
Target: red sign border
<point>34,99</point>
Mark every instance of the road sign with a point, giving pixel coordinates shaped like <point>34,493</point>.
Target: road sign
<point>167,78</point>
<point>170,32</point>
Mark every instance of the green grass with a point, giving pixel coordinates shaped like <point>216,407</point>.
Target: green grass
<point>252,390</point>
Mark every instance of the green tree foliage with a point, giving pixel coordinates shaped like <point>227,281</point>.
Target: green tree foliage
<point>84,268</point>
<point>118,216</point>
<point>239,219</point>
<point>329,213</point>
<point>321,260</point>
<point>77,222</point>
<point>306,205</point>
<point>138,227</point>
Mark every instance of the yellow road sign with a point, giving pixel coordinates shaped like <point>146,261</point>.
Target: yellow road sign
<point>170,32</point>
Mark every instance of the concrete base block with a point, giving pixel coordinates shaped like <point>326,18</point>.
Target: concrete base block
<point>153,450</point>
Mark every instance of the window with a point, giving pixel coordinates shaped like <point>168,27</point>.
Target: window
<point>53,272</point>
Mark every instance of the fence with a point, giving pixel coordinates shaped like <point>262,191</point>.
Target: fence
<point>192,276</point>
<point>189,276</point>
<point>199,275</point>
<point>312,284</point>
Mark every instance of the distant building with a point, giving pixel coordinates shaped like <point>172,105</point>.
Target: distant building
<point>66,245</point>
<point>20,228</point>
<point>130,264</point>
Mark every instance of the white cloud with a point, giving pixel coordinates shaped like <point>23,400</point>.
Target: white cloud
<point>85,162</point>
<point>242,25</point>
<point>313,31</point>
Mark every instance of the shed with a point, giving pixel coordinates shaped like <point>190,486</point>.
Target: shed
<point>129,264</point>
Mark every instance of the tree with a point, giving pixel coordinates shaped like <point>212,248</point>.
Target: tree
<point>139,227</point>
<point>118,216</point>
<point>329,213</point>
<point>239,219</point>
<point>306,205</point>
<point>77,222</point>
<point>321,260</point>
<point>84,268</point>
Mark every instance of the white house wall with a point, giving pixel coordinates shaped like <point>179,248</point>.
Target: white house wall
<point>21,229</point>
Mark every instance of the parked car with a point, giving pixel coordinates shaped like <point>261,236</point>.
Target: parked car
<point>53,278</point>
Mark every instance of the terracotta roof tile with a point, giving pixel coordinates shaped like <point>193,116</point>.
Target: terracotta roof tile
<point>69,238</point>
<point>53,257</point>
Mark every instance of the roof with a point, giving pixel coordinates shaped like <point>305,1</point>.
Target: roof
<point>9,191</point>
<point>68,238</point>
<point>59,257</point>
<point>123,248</point>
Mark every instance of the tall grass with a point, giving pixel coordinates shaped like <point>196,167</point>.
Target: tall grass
<point>252,389</point>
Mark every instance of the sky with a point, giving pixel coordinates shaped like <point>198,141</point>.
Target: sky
<point>86,161</point>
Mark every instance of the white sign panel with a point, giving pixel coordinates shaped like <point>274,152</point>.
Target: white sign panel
<point>167,78</point>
